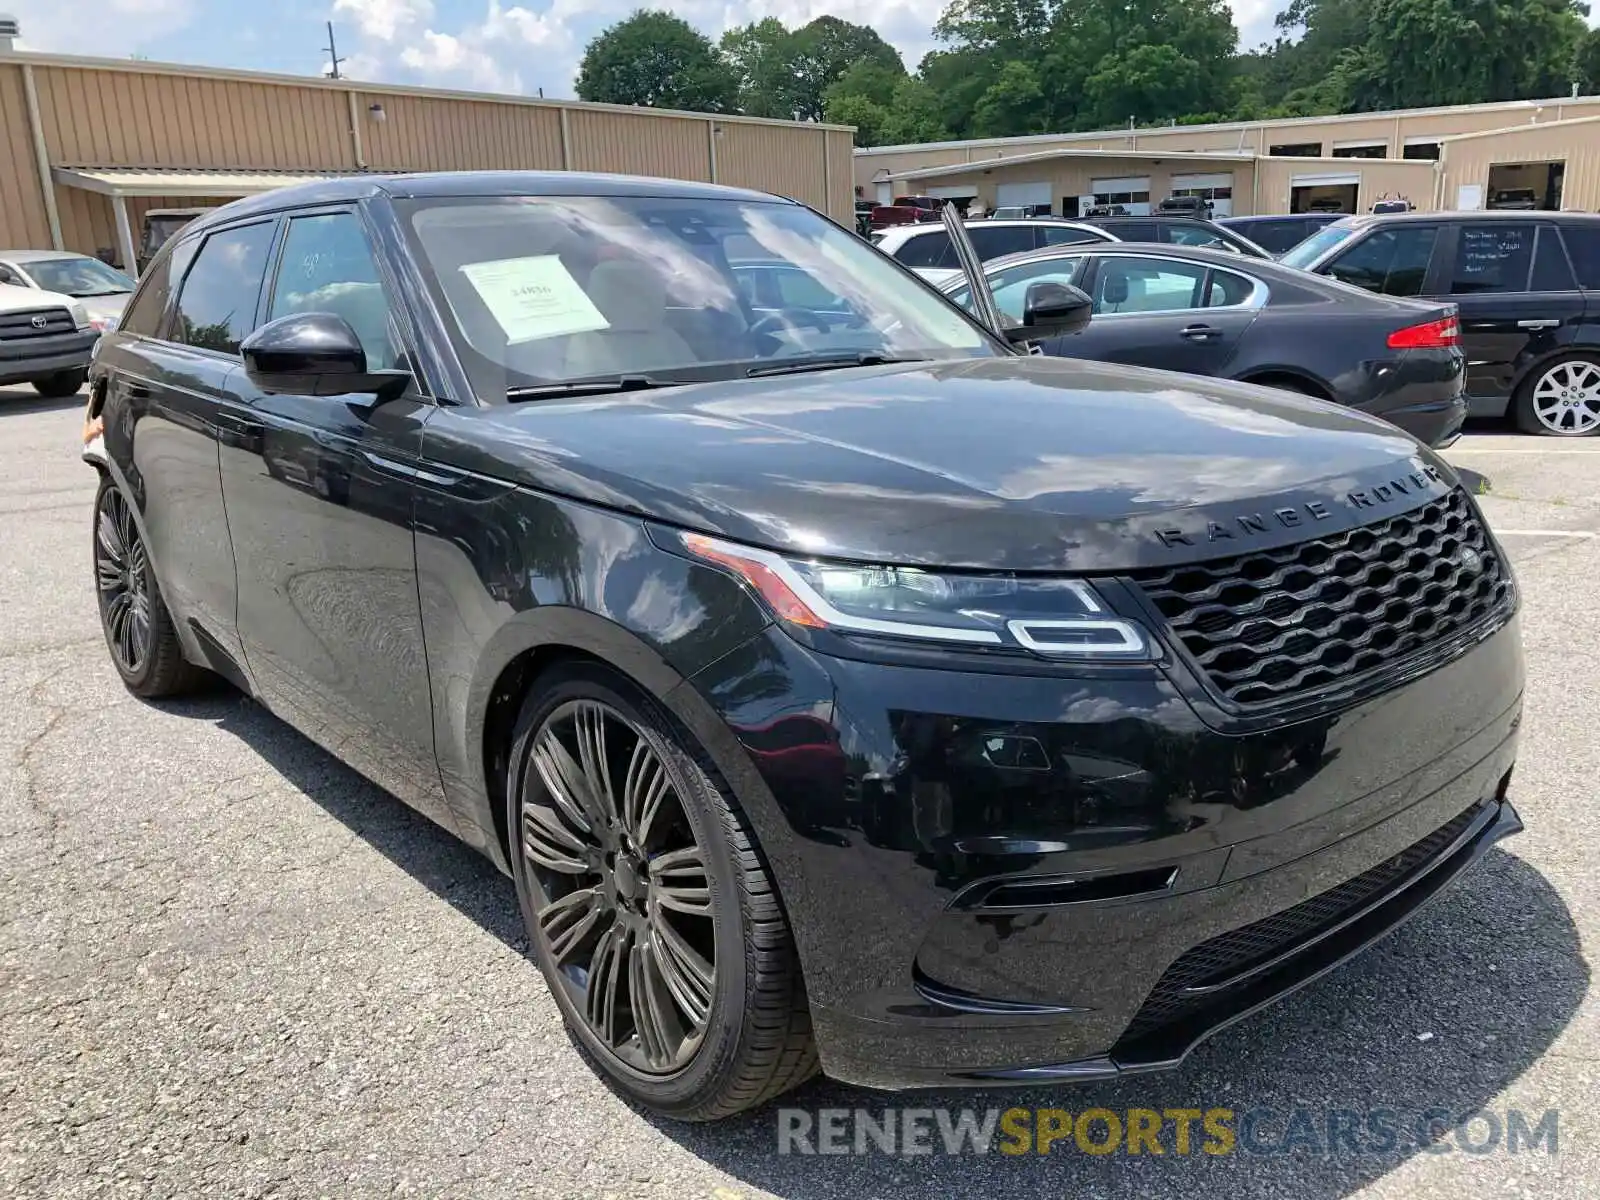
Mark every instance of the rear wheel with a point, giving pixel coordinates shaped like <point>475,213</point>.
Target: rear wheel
<point>139,633</point>
<point>647,905</point>
<point>62,383</point>
<point>1562,399</point>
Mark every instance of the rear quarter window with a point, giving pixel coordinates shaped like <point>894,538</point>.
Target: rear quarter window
<point>1583,247</point>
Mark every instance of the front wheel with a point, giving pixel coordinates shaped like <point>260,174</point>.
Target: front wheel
<point>61,384</point>
<point>647,904</point>
<point>1562,399</point>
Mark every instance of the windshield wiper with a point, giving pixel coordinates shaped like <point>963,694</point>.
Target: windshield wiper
<point>830,363</point>
<point>589,387</point>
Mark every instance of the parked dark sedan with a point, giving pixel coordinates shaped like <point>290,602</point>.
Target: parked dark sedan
<point>1208,312</point>
<point>836,684</point>
<point>1527,285</point>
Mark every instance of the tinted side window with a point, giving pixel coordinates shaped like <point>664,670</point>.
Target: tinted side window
<point>327,266</point>
<point>1583,246</point>
<point>1000,240</point>
<point>149,303</point>
<point>1125,284</point>
<point>1391,261</point>
<point>1491,258</point>
<point>1551,271</point>
<point>1060,235</point>
<point>217,304</point>
<point>1137,231</point>
<point>1227,289</point>
<point>926,249</point>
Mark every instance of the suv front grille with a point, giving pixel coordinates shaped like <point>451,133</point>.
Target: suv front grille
<point>1272,625</point>
<point>17,325</point>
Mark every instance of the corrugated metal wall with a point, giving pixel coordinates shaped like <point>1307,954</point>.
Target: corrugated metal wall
<point>1248,137</point>
<point>1413,180</point>
<point>22,215</point>
<point>88,225</point>
<point>1577,144</point>
<point>126,118</point>
<point>97,113</point>
<point>421,134</point>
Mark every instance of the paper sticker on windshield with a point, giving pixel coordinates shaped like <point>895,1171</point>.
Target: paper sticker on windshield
<point>533,297</point>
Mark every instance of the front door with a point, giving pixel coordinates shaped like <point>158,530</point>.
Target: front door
<point>319,496</point>
<point>1170,314</point>
<point>1518,299</point>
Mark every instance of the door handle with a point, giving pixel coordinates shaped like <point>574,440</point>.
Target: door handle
<point>1538,324</point>
<point>247,426</point>
<point>1199,333</point>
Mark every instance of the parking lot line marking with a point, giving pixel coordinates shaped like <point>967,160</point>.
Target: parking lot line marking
<point>1576,533</point>
<point>1459,449</point>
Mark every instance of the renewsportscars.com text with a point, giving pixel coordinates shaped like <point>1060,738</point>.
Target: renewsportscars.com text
<point>1174,1132</point>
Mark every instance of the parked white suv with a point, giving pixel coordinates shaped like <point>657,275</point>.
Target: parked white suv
<point>46,339</point>
<point>926,249</point>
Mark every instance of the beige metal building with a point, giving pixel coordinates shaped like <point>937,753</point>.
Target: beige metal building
<point>1440,158</point>
<point>87,146</point>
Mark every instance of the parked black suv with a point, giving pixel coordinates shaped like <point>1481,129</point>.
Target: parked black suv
<point>1527,285</point>
<point>1179,231</point>
<point>836,682</point>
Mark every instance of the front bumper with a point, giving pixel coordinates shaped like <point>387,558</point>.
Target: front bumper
<point>34,358</point>
<point>1014,877</point>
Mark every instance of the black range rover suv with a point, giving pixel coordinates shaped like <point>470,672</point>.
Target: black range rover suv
<point>839,685</point>
<point>1528,288</point>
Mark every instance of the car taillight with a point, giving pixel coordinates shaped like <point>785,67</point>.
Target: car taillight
<point>1432,335</point>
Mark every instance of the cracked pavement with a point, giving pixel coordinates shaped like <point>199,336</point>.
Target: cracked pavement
<point>230,967</point>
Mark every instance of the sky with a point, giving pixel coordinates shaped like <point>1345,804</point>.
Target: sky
<point>480,45</point>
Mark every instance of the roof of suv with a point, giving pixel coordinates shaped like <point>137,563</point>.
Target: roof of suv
<point>476,183</point>
<point>1360,220</point>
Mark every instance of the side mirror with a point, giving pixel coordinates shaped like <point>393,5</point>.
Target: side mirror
<point>1050,310</point>
<point>315,354</point>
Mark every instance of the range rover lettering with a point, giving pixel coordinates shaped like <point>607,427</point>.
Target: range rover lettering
<point>842,687</point>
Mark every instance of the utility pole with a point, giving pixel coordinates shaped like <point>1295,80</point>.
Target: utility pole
<point>333,54</point>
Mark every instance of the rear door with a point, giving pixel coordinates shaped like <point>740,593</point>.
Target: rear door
<point>1393,260</point>
<point>1168,313</point>
<point>1518,299</point>
<point>320,499</point>
<point>169,370</point>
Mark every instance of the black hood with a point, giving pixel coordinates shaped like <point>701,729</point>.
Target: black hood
<point>1029,464</point>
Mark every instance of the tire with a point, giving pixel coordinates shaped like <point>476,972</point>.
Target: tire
<point>1561,398</point>
<point>61,384</point>
<point>612,898</point>
<point>138,629</point>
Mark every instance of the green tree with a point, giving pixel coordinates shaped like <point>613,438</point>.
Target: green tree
<point>658,60</point>
<point>1587,62</point>
<point>1012,104</point>
<point>761,57</point>
<point>827,48</point>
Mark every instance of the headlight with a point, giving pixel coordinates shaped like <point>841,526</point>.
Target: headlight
<point>80,316</point>
<point>1051,617</point>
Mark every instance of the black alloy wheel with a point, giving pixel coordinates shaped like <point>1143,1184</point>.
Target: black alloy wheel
<point>122,573</point>
<point>621,889</point>
<point>139,633</point>
<point>647,905</point>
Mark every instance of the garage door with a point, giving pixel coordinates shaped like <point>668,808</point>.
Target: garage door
<point>1337,180</point>
<point>1217,188</point>
<point>953,193</point>
<point>1133,193</point>
<point>1008,194</point>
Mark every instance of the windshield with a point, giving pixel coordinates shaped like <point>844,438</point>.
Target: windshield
<point>548,289</point>
<point>1315,246</point>
<point>78,276</point>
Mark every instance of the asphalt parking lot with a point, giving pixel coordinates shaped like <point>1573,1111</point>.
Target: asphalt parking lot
<point>230,967</point>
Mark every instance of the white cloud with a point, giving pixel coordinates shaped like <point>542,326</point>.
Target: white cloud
<point>117,28</point>
<point>384,19</point>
